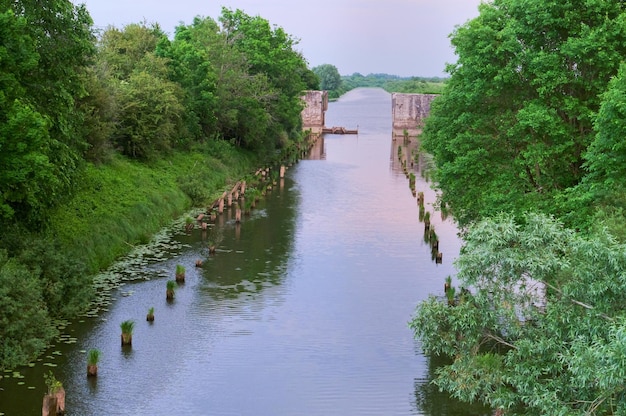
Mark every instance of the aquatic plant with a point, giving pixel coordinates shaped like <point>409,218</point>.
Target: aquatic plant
<point>180,273</point>
<point>127,331</point>
<point>150,316</point>
<point>93,357</point>
<point>170,289</point>
<point>52,383</point>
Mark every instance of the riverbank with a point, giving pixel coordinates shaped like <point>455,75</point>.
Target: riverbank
<point>123,203</point>
<point>115,207</point>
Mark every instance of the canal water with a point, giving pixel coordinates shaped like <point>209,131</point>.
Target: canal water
<point>303,309</point>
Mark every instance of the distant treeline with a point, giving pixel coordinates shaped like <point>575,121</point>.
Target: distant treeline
<point>337,85</point>
<point>394,83</point>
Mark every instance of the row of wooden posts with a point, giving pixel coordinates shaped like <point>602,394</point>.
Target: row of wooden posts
<point>430,235</point>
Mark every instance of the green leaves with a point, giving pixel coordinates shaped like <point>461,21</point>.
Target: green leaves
<point>543,331</point>
<point>329,77</point>
<point>524,91</point>
<point>23,316</point>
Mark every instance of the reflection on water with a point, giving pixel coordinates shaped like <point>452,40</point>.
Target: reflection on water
<point>303,309</point>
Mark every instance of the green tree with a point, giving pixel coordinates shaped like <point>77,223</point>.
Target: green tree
<point>150,115</point>
<point>328,74</point>
<point>542,330</point>
<point>45,49</point>
<point>224,99</point>
<point>149,109</point>
<point>516,117</point>
<point>192,68</point>
<point>24,322</point>
<point>606,157</point>
<point>270,51</point>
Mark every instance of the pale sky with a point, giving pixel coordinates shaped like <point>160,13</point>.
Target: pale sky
<point>397,37</point>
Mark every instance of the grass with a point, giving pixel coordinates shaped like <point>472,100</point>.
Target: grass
<point>123,203</point>
<point>127,326</point>
<point>93,356</point>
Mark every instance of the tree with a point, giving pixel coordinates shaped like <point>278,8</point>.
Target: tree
<point>606,156</point>
<point>516,117</point>
<point>193,69</point>
<point>149,105</point>
<point>225,100</point>
<point>45,50</point>
<point>270,51</point>
<point>24,322</point>
<point>541,332</point>
<point>329,77</point>
<point>150,115</point>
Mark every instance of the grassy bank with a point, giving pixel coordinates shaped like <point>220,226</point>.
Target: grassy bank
<point>121,204</point>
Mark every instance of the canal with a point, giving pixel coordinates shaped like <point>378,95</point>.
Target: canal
<point>302,310</point>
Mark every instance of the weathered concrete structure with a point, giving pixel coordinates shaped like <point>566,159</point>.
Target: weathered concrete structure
<point>316,104</point>
<point>409,112</point>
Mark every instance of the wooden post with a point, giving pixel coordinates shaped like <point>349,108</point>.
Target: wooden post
<point>282,171</point>
<point>59,393</point>
<point>238,215</point>
<point>49,407</point>
<point>220,206</point>
<point>243,187</point>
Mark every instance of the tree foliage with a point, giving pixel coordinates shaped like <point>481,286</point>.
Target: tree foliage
<point>517,115</point>
<point>149,105</point>
<point>23,315</point>
<point>606,157</point>
<point>541,329</point>
<point>44,50</point>
<point>270,51</point>
<point>328,74</point>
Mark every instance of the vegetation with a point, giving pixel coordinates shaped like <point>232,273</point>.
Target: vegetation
<point>170,289</point>
<point>527,138</point>
<point>106,138</point>
<point>512,132</point>
<point>127,328</point>
<point>150,315</point>
<point>52,383</point>
<point>93,356</point>
<point>394,83</point>
<point>180,273</point>
<point>337,85</point>
<point>330,80</point>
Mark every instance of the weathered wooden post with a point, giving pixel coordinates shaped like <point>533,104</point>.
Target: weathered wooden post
<point>243,187</point>
<point>237,214</point>
<point>49,407</point>
<point>282,171</point>
<point>220,206</point>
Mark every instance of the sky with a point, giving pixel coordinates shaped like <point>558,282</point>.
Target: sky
<point>397,37</point>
